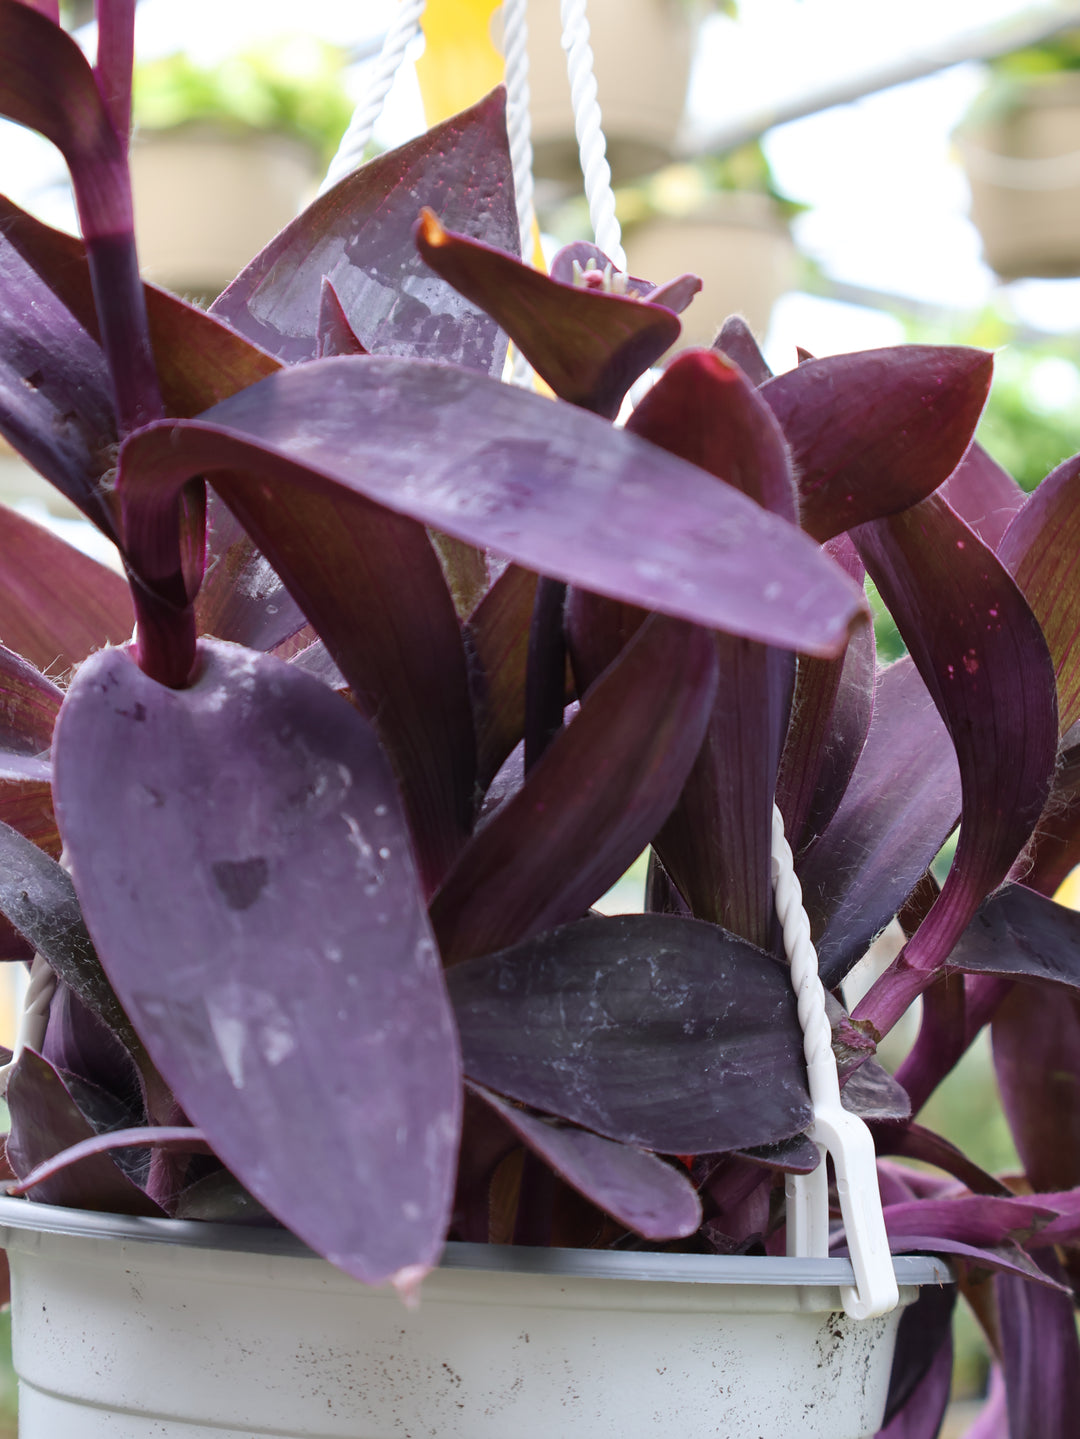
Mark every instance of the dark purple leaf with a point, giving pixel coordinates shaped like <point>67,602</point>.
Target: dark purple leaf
<point>588,346</point>
<point>585,264</point>
<point>736,340</point>
<point>1036,1036</point>
<point>661,1032</point>
<point>1040,1355</point>
<point>56,603</point>
<point>96,1067</point>
<point>1040,551</point>
<point>29,704</point>
<point>45,1120</point>
<point>245,870</point>
<point>901,803</point>
<point>915,1142</point>
<point>982,1220</point>
<point>37,896</point>
<point>359,236</point>
<point>1055,848</point>
<point>873,1094</point>
<point>873,433</point>
<point>982,655</point>
<point>652,1198</point>
<point>830,718</point>
<point>590,805</point>
<point>556,489</point>
<point>56,406</point>
<point>922,1366</point>
<point>985,496</point>
<point>1019,934</point>
<point>1006,1258</point>
<point>497,642</point>
<point>181,1138</point>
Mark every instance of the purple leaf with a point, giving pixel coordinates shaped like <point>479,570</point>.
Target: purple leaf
<point>736,341</point>
<point>1040,1355</point>
<point>1055,848</point>
<point>1040,552</point>
<point>830,718</point>
<point>652,1198</point>
<point>915,1142</point>
<point>661,1032</point>
<point>993,1420</point>
<point>873,433</point>
<point>985,496</point>
<point>1022,935</point>
<point>558,490</point>
<point>1006,1258</point>
<point>37,896</point>
<point>359,236</point>
<point>1036,1036</point>
<point>29,704</point>
<point>901,803</point>
<point>182,1138</point>
<point>982,655</point>
<point>588,346</point>
<point>257,794</point>
<point>57,603</point>
<point>56,406</point>
<point>45,1120</point>
<point>590,805</point>
<point>982,1220</point>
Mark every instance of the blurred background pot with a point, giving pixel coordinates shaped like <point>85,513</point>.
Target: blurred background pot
<point>139,1328</point>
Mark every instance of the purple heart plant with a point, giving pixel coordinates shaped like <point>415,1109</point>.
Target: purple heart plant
<point>422,661</point>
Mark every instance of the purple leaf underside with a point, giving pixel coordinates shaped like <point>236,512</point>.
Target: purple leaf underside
<point>1040,1355</point>
<point>556,489</point>
<point>1036,1037</point>
<point>497,643</point>
<point>359,236</point>
<point>660,1032</point>
<point>649,1196</point>
<point>985,496</point>
<point>591,803</point>
<point>241,598</point>
<point>257,852</point>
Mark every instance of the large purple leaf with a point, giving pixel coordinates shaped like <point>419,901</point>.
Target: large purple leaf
<point>901,803</point>
<point>359,236</point>
<point>56,604</point>
<point>588,346</point>
<point>592,802</point>
<point>874,432</point>
<point>1036,1037</point>
<point>241,598</point>
<point>556,489</point>
<point>1022,935</point>
<point>56,405</point>
<point>649,1196</point>
<point>1040,1356</point>
<point>1040,552</point>
<point>830,718</point>
<point>982,1220</point>
<point>983,657</point>
<point>46,1120</point>
<point>985,496</point>
<point>657,1031</point>
<point>245,870</point>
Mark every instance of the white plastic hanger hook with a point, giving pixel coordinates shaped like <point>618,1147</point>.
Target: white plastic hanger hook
<point>834,1130</point>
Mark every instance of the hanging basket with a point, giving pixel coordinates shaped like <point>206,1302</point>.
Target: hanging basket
<point>1023,166</point>
<point>139,1328</point>
<point>207,200</point>
<point>738,243</point>
<point>643,51</point>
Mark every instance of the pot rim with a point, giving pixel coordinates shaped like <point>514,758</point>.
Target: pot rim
<point>911,1269</point>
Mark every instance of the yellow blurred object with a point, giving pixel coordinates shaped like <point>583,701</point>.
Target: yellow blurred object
<point>1068,892</point>
<point>460,63</point>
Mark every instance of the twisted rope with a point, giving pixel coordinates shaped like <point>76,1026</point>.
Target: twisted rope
<point>350,152</point>
<point>592,146</point>
<point>519,133</point>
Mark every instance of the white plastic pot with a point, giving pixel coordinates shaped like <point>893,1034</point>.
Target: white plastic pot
<point>1023,167</point>
<point>127,1329</point>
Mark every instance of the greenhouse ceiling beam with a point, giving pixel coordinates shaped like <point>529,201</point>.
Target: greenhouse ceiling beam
<point>1027,27</point>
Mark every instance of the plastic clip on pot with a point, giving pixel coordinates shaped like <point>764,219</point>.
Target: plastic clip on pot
<point>835,1130</point>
